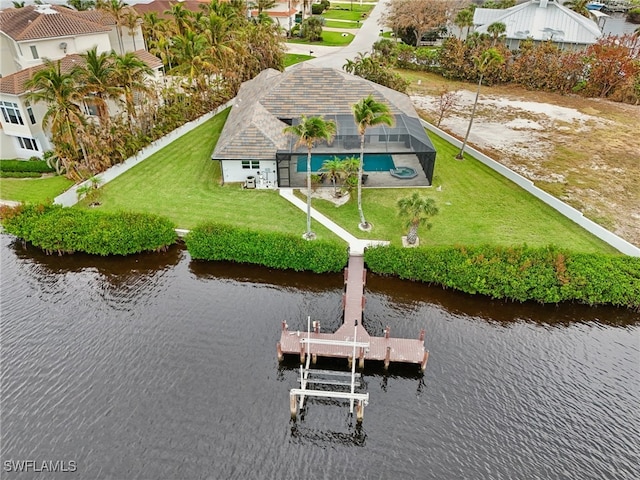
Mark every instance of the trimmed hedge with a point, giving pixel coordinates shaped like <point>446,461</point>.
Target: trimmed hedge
<point>68,230</point>
<point>4,174</point>
<point>545,275</point>
<point>39,166</point>
<point>272,249</point>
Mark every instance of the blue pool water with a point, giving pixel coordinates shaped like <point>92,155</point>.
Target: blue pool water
<point>373,162</point>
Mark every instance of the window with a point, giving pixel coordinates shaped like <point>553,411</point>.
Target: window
<point>34,52</point>
<point>30,113</point>
<point>28,143</point>
<point>252,164</point>
<point>11,113</point>
<point>90,108</point>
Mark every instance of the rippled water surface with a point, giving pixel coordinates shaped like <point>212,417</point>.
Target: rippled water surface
<point>157,367</point>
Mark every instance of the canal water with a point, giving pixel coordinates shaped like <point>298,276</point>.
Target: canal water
<point>159,367</point>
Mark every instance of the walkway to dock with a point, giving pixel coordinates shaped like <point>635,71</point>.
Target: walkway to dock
<point>356,246</point>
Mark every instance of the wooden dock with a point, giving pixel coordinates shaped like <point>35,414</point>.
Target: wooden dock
<point>385,349</point>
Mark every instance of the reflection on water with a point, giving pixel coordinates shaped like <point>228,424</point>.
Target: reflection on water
<point>155,366</point>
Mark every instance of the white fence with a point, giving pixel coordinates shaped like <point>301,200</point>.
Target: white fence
<point>566,210</point>
<point>70,197</point>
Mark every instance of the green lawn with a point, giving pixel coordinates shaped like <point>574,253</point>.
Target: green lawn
<point>355,14</point>
<point>336,24</point>
<point>181,182</point>
<point>293,58</point>
<point>477,206</point>
<point>33,190</point>
<point>329,39</point>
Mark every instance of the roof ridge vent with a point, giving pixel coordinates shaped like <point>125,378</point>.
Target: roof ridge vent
<point>45,8</point>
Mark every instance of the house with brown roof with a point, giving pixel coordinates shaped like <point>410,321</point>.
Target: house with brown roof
<point>254,149</point>
<point>31,34</point>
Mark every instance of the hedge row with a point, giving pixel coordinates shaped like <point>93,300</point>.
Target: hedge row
<point>39,166</point>
<point>66,230</point>
<point>546,275</point>
<point>4,174</point>
<point>276,250</point>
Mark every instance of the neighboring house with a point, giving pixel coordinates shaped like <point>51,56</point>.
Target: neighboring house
<point>540,20</point>
<point>253,144</point>
<point>28,35</point>
<point>283,13</point>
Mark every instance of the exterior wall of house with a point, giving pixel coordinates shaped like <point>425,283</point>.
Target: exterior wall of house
<point>131,43</point>
<point>263,171</point>
<point>26,139</point>
<point>56,48</point>
<point>7,54</point>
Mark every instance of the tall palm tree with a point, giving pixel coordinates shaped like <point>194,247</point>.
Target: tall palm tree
<point>81,5</point>
<point>416,210</point>
<point>368,113</point>
<point>117,8</point>
<point>59,91</point>
<point>309,131</point>
<point>131,73</point>
<point>132,20</point>
<point>97,78</point>
<point>464,19</point>
<point>487,59</point>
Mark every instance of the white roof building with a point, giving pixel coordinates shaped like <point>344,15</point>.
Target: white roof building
<point>540,20</point>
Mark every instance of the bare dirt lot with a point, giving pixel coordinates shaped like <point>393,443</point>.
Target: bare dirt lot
<point>584,151</point>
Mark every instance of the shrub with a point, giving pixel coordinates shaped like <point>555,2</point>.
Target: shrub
<point>317,8</point>
<point>20,174</point>
<point>272,249</point>
<point>67,230</point>
<point>545,275</point>
<point>38,166</point>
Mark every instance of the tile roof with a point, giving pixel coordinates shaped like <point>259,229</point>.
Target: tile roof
<point>254,129</point>
<point>541,20</point>
<point>15,84</point>
<point>28,23</point>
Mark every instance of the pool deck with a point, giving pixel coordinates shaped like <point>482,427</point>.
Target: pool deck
<point>379,179</point>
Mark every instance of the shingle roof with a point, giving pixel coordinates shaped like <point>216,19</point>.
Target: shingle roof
<point>27,23</point>
<point>254,129</point>
<point>14,84</point>
<point>540,20</point>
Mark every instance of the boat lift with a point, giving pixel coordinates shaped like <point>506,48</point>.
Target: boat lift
<point>297,396</point>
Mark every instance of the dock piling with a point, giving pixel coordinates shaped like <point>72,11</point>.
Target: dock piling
<point>423,366</point>
<point>293,405</point>
<point>421,337</point>
<point>387,358</point>
<point>279,350</point>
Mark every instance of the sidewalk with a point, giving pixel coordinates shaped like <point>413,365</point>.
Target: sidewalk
<point>356,246</point>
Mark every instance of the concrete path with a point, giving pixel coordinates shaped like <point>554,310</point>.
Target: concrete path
<point>356,246</point>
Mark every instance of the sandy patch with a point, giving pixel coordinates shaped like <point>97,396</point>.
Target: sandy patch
<point>599,174</point>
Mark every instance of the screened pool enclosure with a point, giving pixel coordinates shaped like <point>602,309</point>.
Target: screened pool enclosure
<point>404,144</point>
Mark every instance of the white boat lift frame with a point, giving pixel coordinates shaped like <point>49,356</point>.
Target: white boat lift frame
<point>362,399</point>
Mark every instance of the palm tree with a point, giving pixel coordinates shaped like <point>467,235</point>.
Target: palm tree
<point>368,113</point>
<point>464,19</point>
<point>416,210</point>
<point>131,73</point>
<point>18,4</point>
<point>262,5</point>
<point>578,6</point>
<point>309,131</point>
<point>334,168</point>
<point>132,20</point>
<point>97,79</point>
<point>496,29</point>
<point>62,96</point>
<point>117,9</point>
<point>487,59</point>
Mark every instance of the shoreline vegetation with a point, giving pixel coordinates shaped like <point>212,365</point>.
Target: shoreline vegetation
<point>490,238</point>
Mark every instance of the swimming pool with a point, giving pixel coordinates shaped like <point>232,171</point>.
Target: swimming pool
<point>373,162</point>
